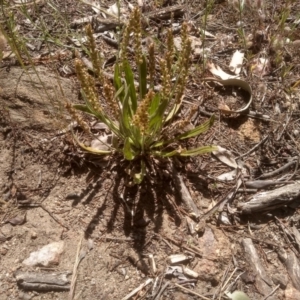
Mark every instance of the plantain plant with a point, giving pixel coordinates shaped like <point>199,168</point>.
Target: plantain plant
<point>141,116</point>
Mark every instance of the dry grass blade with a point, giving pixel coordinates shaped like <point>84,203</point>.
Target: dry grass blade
<point>78,259</point>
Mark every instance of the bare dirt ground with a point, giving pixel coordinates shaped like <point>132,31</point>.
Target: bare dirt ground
<point>52,192</point>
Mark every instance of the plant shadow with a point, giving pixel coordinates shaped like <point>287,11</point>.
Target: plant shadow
<point>138,210</point>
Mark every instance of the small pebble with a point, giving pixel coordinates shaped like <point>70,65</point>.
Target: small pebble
<point>3,251</point>
<point>33,235</point>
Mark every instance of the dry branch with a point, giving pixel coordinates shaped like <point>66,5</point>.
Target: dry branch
<point>292,265</point>
<point>263,282</point>
<point>41,281</point>
<point>186,196</point>
<point>166,12</point>
<point>271,199</point>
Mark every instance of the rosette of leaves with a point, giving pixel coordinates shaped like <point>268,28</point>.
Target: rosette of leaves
<point>140,116</point>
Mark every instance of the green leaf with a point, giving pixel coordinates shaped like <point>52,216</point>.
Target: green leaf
<point>136,137</point>
<point>155,123</point>
<point>102,117</point>
<point>154,105</point>
<point>197,130</point>
<point>185,152</point>
<point>84,108</point>
<point>138,177</point>
<point>143,78</point>
<point>126,112</point>
<point>167,154</point>
<point>127,150</point>
<point>130,82</point>
<point>173,111</point>
<point>197,151</point>
<point>90,149</point>
<point>119,92</point>
<point>158,144</point>
<point>118,82</point>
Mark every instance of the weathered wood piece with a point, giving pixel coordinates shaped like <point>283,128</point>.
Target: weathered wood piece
<point>296,235</point>
<point>166,12</point>
<point>271,199</point>
<point>263,282</point>
<point>186,196</point>
<point>292,265</point>
<point>101,24</point>
<point>41,281</point>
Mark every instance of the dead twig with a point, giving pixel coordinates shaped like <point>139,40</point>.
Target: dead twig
<point>271,199</point>
<point>52,216</point>
<point>191,292</point>
<point>276,288</point>
<point>295,160</point>
<point>192,249</point>
<point>161,290</point>
<point>78,259</point>
<point>254,148</point>
<point>149,280</point>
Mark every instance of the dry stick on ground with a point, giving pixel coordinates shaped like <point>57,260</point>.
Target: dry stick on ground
<point>165,241</point>
<point>263,282</point>
<point>191,292</point>
<point>254,148</point>
<point>149,280</point>
<point>192,249</point>
<point>234,282</point>
<point>52,216</point>
<point>220,286</point>
<point>78,259</point>
<point>162,289</point>
<point>295,160</point>
<point>185,195</point>
<point>296,144</point>
<point>166,12</point>
<point>296,236</point>
<point>271,199</point>
<point>276,288</point>
<point>292,265</point>
<point>263,184</point>
<point>227,281</point>
<point>287,236</point>
<point>42,281</point>
<point>284,128</point>
<point>26,204</point>
<point>223,201</point>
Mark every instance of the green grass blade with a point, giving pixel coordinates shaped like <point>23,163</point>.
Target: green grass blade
<point>143,78</point>
<point>189,152</point>
<point>197,151</point>
<point>173,111</point>
<point>90,149</point>
<point>102,117</point>
<point>137,137</point>
<point>154,105</point>
<point>156,120</point>
<point>130,82</point>
<point>127,150</point>
<point>118,82</point>
<point>83,108</point>
<point>120,92</point>
<point>197,130</point>
<point>168,154</point>
<point>126,111</point>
